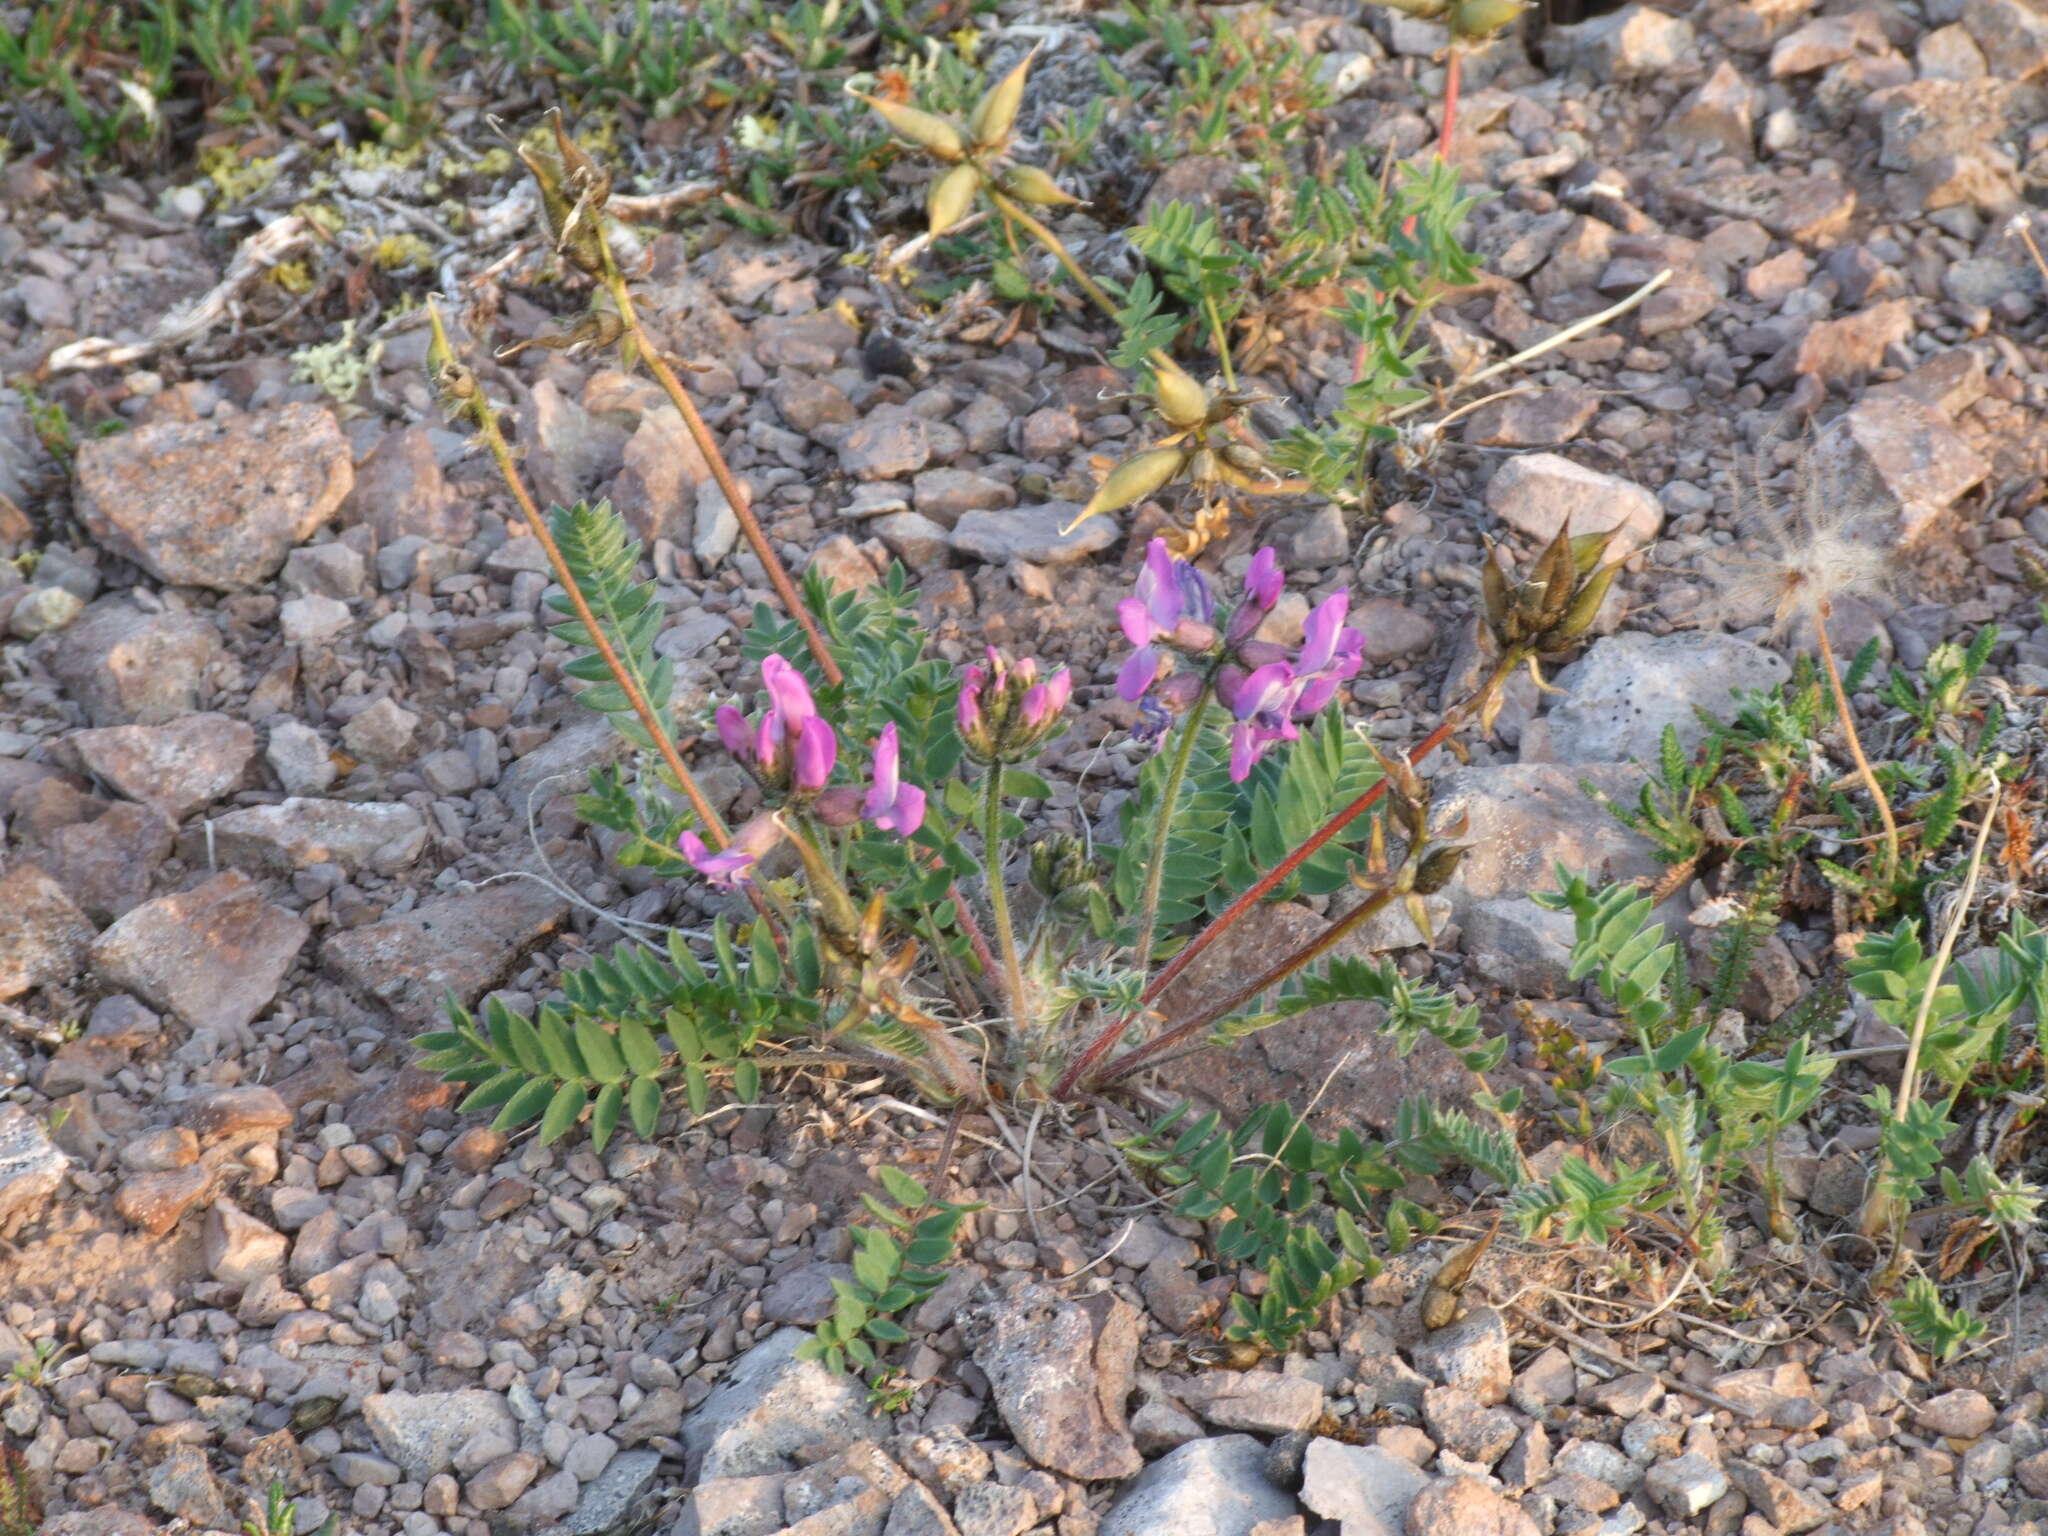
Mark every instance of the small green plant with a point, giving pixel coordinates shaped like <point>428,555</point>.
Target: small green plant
<point>21,1505</point>
<point>34,1368</point>
<point>277,1515</point>
<point>895,1267</point>
<point>1942,1330</point>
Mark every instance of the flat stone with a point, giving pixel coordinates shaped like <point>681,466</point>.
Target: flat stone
<point>1260,1402</point>
<point>31,1166</point>
<point>889,443</point>
<point>465,942</point>
<point>1526,818</point>
<point>611,1500</point>
<point>1291,1060</point>
<point>177,768</point>
<point>1540,493</point>
<point>215,503</point>
<point>1621,696</point>
<point>1963,1414</point>
<point>1464,1506</point>
<point>1543,418</point>
<point>399,491</point>
<point>240,1250</point>
<point>1060,1371</point>
<point>214,955</point>
<point>1836,351</point>
<point>1922,462</point>
<point>1368,1489</point>
<point>769,1407</point>
<point>1033,534</point>
<point>1791,1510</point>
<point>125,665</point>
<point>45,937</point>
<point>1216,1487</point>
<point>656,491</point>
<point>1810,209</point>
<point>1686,1485</point>
<point>300,759</point>
<point>297,833</point>
<point>422,1431</point>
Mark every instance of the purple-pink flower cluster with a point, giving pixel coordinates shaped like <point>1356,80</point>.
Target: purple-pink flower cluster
<point>792,749</point>
<point>1267,692</point>
<point>1006,708</point>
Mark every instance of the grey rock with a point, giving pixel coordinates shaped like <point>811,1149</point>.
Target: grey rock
<point>1213,1487</point>
<point>44,939</point>
<point>663,477</point>
<point>43,611</point>
<point>1686,1485</point>
<point>400,492</point>
<point>1624,692</point>
<point>917,1513</point>
<point>615,1501</point>
<point>991,1509</point>
<point>1963,1414</point>
<point>1471,1354</point>
<point>183,1486</point>
<point>1465,1506</point>
<point>215,955</point>
<point>125,665</point>
<point>1366,1488</point>
<point>804,1296</point>
<point>1791,1510</point>
<point>1921,462</point>
<point>560,765</point>
<point>298,833</point>
<point>299,758</point>
<point>1513,943</point>
<point>215,503</point>
<point>717,526</point>
<point>1060,1371</point>
<point>1526,818</point>
<point>1324,540</point>
<point>570,451</point>
<point>175,768</point>
<point>1260,1402</point>
<point>335,570</point>
<point>422,1431</point>
<point>1032,534</point>
<point>771,1406</point>
<point>31,1167</point>
<point>890,443</point>
<point>945,495</point>
<point>313,620</point>
<point>915,539</point>
<point>1460,1424</point>
<point>467,942</point>
<point>733,1506</point>
<point>381,734</point>
<point>1539,493</point>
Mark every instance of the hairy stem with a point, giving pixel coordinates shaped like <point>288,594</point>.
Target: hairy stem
<point>1848,718</point>
<point>487,426</point>
<point>742,509</point>
<point>998,893</point>
<point>1169,806</point>
<point>1132,1060</point>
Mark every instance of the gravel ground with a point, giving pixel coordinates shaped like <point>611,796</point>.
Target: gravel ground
<point>286,754</point>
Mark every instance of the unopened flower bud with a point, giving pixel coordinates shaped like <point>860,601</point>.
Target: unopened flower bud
<point>838,807</point>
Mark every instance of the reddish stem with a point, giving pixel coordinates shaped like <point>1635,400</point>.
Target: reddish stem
<point>1450,126</point>
<point>1267,883</point>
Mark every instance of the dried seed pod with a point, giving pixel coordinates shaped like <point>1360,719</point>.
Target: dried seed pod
<point>1493,588</point>
<point>1133,480</point>
<point>996,113</point>
<point>582,177</point>
<point>1028,184</point>
<point>1204,468</point>
<point>1437,867</point>
<point>951,195</point>
<point>927,130</point>
<point>1585,607</point>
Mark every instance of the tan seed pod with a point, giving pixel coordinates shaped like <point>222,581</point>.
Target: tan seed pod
<point>1133,480</point>
<point>951,195</point>
<point>996,113</point>
<point>1245,457</point>
<point>1028,184</point>
<point>1182,402</point>
<point>927,130</point>
<point>1493,587</point>
<point>582,177</point>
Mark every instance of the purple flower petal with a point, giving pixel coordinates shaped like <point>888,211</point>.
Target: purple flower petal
<point>1140,671</point>
<point>734,731</point>
<point>817,749</point>
<point>1265,581</point>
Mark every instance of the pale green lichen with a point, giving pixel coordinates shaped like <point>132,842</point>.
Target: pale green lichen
<point>335,367</point>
